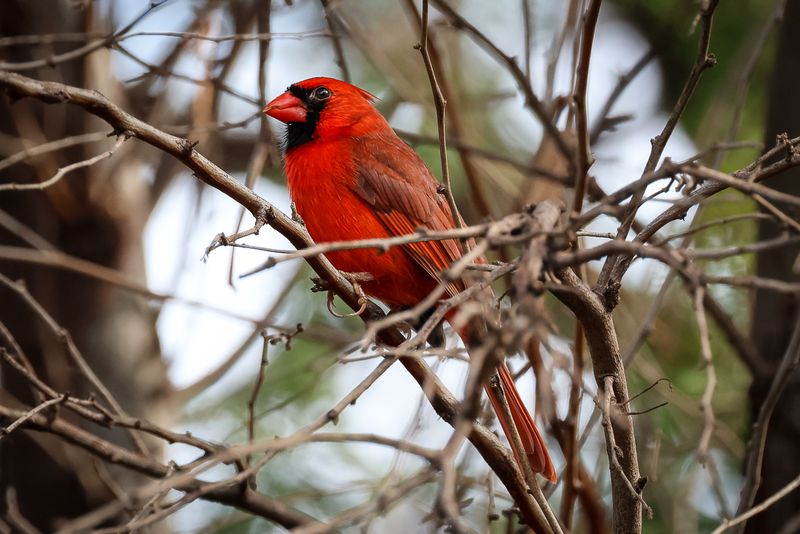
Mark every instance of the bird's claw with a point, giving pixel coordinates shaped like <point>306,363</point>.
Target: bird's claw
<point>355,280</point>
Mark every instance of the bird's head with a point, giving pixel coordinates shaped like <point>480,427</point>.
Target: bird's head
<point>321,108</point>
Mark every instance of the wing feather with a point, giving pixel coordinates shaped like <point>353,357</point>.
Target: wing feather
<point>394,180</point>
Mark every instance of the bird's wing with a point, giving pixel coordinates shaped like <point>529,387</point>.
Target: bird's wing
<point>394,180</point>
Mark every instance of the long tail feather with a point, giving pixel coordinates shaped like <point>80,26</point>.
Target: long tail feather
<point>533,444</point>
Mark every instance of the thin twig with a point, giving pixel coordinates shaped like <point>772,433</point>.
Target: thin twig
<point>59,260</point>
<point>336,39</point>
<point>247,499</point>
<point>63,171</point>
<point>30,413</point>
<point>604,118</point>
<point>531,100</point>
<point>251,403</point>
<point>78,53</point>
<point>544,519</point>
<point>711,373</point>
<point>607,397</point>
<point>52,146</point>
<point>583,154</point>
<point>756,445</point>
<point>762,506</point>
<point>72,351</point>
<point>440,104</point>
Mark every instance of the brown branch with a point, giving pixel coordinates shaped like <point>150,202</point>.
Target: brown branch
<point>706,173</point>
<point>755,282</point>
<point>243,498</point>
<point>531,100</point>
<point>583,154</point>
<point>264,150</point>
<point>548,523</point>
<point>610,376</point>
<point>608,403</point>
<point>569,432</point>
<point>52,146</point>
<point>442,89</point>
<point>251,403</point>
<point>93,412</point>
<point>679,209</point>
<point>14,515</point>
<point>440,104</point>
<point>336,39</point>
<point>711,383</point>
<point>469,149</point>
<point>238,37</point>
<point>755,510</point>
<point>29,414</point>
<point>72,351</point>
<point>554,54</point>
<point>604,118</point>
<point>160,70</point>
<point>526,32</point>
<point>63,171</point>
<point>776,212</point>
<point>755,172</point>
<point>501,231</point>
<point>59,260</point>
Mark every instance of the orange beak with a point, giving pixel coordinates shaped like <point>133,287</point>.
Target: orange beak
<point>287,108</point>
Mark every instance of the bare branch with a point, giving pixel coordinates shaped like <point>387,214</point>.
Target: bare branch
<point>763,505</point>
<point>63,171</point>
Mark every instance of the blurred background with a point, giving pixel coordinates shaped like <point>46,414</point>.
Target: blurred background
<point>203,69</point>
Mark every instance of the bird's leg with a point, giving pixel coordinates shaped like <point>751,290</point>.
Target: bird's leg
<point>355,280</point>
<point>296,216</point>
<point>436,337</point>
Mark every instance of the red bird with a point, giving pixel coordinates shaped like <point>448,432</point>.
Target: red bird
<point>351,177</point>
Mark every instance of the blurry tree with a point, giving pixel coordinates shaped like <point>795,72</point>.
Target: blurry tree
<point>776,316</point>
<point>97,215</point>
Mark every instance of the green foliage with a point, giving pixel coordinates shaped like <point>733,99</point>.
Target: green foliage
<point>673,30</point>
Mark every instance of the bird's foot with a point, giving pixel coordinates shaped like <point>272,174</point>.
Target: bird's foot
<point>355,280</point>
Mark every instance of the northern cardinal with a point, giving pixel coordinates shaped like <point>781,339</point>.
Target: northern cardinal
<point>351,177</point>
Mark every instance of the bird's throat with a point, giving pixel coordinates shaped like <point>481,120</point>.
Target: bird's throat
<point>300,133</point>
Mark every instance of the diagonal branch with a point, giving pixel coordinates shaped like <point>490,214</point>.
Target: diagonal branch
<point>243,498</point>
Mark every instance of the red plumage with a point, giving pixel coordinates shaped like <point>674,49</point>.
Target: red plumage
<point>350,177</point>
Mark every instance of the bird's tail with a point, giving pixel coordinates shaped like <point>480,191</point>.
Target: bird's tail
<point>532,443</point>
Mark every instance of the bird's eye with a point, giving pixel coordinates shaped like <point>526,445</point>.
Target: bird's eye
<point>321,94</point>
